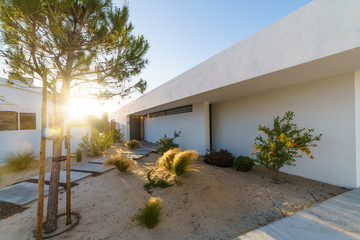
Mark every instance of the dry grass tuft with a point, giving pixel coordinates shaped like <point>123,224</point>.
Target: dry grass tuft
<point>150,215</point>
<point>132,144</point>
<point>120,161</point>
<point>21,160</point>
<point>182,161</point>
<point>167,158</point>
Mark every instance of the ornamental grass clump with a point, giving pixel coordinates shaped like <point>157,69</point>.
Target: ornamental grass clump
<point>167,158</point>
<point>182,161</point>
<point>21,160</point>
<point>121,162</point>
<point>132,144</point>
<point>283,143</point>
<point>151,214</point>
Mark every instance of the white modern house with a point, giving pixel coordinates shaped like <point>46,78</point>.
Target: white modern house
<point>20,120</point>
<point>308,62</point>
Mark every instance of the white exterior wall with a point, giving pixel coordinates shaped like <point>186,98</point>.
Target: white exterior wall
<point>192,126</point>
<point>29,101</point>
<point>327,105</point>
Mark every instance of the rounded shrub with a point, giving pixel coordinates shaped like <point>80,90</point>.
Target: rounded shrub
<point>221,158</point>
<point>78,155</point>
<point>243,163</point>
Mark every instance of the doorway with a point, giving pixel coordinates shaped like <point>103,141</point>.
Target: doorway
<point>137,127</point>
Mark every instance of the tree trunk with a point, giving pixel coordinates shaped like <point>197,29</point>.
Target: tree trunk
<point>40,205</point>
<point>52,207</point>
<point>59,116</point>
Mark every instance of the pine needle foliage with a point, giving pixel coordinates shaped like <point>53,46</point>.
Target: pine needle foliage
<point>151,214</point>
<point>167,158</point>
<point>182,161</point>
<point>121,162</point>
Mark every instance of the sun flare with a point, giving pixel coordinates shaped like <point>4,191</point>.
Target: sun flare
<point>80,107</point>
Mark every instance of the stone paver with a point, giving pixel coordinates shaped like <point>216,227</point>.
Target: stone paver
<point>74,176</point>
<point>22,193</point>
<point>92,168</point>
<point>99,160</point>
<point>336,218</point>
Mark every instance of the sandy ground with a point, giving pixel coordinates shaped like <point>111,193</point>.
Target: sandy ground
<point>206,203</point>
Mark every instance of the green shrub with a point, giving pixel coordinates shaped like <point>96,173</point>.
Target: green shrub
<point>118,136</point>
<point>155,182</point>
<point>166,143</point>
<point>283,143</point>
<point>97,144</point>
<point>182,161</point>
<point>121,162</point>
<point>167,158</point>
<point>78,155</point>
<point>243,163</point>
<point>132,144</point>
<point>151,214</point>
<point>21,160</point>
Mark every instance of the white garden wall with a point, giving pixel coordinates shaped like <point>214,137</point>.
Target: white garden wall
<point>327,105</point>
<point>194,134</point>
<point>29,100</point>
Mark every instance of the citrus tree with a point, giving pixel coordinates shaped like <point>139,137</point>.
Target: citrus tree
<point>283,143</point>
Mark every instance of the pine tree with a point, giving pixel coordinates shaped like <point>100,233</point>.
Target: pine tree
<point>68,43</point>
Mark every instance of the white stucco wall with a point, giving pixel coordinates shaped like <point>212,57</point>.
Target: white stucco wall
<point>327,105</point>
<point>29,100</point>
<point>192,126</point>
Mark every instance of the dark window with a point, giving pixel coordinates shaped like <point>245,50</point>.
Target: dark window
<point>172,111</point>
<point>157,114</point>
<point>27,121</point>
<point>8,120</point>
<point>179,110</point>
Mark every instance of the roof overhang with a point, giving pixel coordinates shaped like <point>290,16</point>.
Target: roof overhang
<point>321,39</point>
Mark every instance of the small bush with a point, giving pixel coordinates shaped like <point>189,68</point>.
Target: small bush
<point>283,143</point>
<point>243,163</point>
<point>132,144</point>
<point>182,161</point>
<point>21,160</point>
<point>155,182</point>
<point>97,144</point>
<point>221,158</point>
<point>150,215</point>
<point>118,136</point>
<point>78,155</point>
<point>120,161</point>
<point>167,158</point>
<point>166,143</point>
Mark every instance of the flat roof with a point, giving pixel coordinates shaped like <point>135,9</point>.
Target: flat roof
<point>319,40</point>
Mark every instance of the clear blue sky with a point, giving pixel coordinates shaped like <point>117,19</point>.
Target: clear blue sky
<point>185,33</point>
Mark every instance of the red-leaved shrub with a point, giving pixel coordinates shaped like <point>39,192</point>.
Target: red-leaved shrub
<point>221,158</point>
